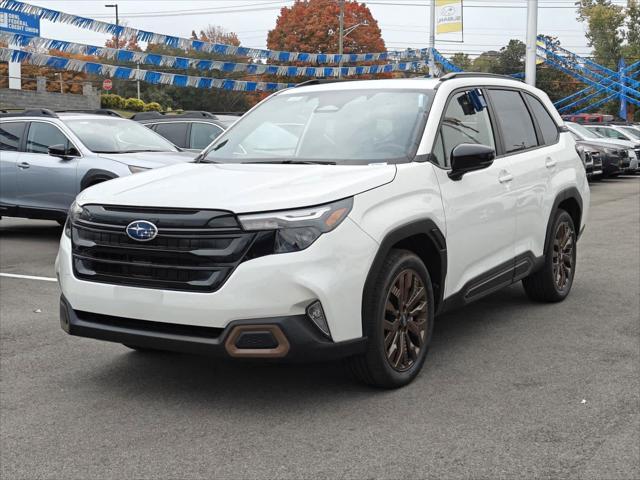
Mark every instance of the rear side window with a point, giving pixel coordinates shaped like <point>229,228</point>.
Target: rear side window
<point>202,134</point>
<point>546,123</point>
<point>515,122</point>
<point>176,133</point>
<point>11,135</point>
<point>41,136</point>
<point>466,120</point>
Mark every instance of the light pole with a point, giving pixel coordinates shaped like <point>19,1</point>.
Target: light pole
<point>532,37</point>
<point>432,38</point>
<point>115,5</point>
<point>343,34</point>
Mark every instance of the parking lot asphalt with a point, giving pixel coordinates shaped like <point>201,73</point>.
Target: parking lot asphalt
<point>511,389</point>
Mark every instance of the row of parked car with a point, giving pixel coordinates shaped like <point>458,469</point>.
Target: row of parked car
<point>51,149</point>
<point>48,157</point>
<point>608,150</point>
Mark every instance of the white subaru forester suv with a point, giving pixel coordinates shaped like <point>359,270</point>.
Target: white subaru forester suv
<point>333,220</point>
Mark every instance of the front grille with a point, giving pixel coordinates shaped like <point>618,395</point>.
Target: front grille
<point>195,250</point>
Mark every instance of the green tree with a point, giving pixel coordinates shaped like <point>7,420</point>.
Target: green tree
<point>462,60</point>
<point>486,62</point>
<point>605,22</point>
<point>511,58</point>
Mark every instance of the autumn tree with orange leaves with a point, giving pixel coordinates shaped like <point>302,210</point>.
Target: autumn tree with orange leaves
<point>312,26</point>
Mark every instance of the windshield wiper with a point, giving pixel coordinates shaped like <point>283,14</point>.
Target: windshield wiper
<point>295,162</point>
<point>126,151</point>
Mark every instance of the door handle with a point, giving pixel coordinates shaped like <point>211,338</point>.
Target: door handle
<point>23,165</point>
<point>550,162</point>
<point>505,177</point>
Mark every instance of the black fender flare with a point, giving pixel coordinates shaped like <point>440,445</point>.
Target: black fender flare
<point>94,176</point>
<point>424,226</point>
<point>571,192</point>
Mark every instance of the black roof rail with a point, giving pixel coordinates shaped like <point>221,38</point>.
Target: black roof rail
<point>196,114</point>
<point>187,114</point>
<point>146,115</point>
<point>452,75</point>
<point>97,111</point>
<point>32,112</point>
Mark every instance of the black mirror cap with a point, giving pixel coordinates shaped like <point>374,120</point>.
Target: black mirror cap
<point>468,157</point>
<point>63,152</point>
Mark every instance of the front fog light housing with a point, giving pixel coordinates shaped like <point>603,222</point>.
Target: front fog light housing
<point>315,313</point>
<point>297,229</point>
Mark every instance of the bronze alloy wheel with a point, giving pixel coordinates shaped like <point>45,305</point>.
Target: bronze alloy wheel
<point>563,255</point>
<point>405,320</point>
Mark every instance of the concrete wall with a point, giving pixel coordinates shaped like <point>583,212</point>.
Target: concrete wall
<point>89,100</point>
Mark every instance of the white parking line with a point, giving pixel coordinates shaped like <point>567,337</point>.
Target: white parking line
<point>28,277</point>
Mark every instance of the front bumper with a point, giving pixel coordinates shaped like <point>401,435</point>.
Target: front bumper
<point>292,338</point>
<point>333,270</point>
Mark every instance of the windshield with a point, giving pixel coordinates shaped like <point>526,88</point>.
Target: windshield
<point>583,132</point>
<point>116,135</point>
<point>632,132</point>
<point>336,127</point>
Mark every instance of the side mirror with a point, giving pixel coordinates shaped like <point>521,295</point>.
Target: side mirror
<point>63,152</point>
<point>468,157</point>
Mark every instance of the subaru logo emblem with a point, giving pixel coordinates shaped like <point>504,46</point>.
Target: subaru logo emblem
<point>142,231</point>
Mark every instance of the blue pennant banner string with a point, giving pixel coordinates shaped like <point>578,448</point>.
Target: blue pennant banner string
<point>128,33</point>
<point>119,55</point>
<point>127,73</point>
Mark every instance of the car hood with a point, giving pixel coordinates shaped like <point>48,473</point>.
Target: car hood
<point>603,143</point>
<point>239,188</point>
<point>150,159</point>
<point>611,142</point>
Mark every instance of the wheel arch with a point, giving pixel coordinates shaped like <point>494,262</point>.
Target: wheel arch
<point>425,239</point>
<point>95,175</point>
<point>570,201</point>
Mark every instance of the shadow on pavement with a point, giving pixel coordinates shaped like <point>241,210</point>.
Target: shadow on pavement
<point>253,385</point>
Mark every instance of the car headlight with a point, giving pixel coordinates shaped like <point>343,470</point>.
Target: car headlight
<point>134,169</point>
<point>297,229</point>
<point>75,212</point>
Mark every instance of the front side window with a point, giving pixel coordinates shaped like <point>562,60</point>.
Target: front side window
<point>11,135</point>
<point>116,135</point>
<point>546,123</point>
<point>612,133</point>
<point>41,136</point>
<point>632,132</point>
<point>514,119</point>
<point>202,134</point>
<point>175,132</point>
<point>342,127</point>
<point>466,120</point>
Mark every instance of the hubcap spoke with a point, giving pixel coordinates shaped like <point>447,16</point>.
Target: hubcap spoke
<point>405,320</point>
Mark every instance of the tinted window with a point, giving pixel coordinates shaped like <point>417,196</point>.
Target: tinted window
<point>514,119</point>
<point>545,121</point>
<point>466,120</point>
<point>202,134</point>
<point>10,135</point>
<point>176,133</point>
<point>41,136</point>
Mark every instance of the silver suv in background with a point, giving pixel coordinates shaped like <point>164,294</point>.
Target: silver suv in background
<point>47,158</point>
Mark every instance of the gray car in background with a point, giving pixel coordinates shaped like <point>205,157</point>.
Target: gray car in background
<point>47,158</point>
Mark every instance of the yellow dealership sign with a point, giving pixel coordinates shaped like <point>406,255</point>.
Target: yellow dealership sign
<point>448,16</point>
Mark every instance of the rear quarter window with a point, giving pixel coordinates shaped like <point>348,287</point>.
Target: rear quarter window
<point>545,121</point>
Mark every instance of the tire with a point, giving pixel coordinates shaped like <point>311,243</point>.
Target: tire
<point>388,339</point>
<point>553,282</point>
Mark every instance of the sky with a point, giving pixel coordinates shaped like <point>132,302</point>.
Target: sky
<point>488,24</point>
